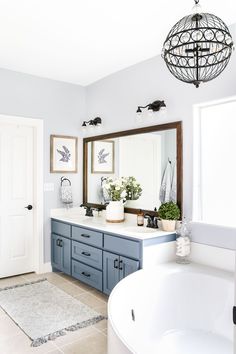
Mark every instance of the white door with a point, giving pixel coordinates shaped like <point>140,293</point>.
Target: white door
<point>16,193</point>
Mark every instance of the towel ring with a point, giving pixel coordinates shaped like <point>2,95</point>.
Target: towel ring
<point>63,179</point>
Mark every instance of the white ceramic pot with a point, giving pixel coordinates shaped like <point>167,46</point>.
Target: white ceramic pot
<point>132,204</point>
<point>168,225</point>
<point>115,212</point>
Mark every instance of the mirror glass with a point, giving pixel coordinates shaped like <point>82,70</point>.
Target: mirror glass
<point>149,158</point>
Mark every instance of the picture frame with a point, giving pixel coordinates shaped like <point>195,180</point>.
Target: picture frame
<point>63,154</point>
<point>103,157</point>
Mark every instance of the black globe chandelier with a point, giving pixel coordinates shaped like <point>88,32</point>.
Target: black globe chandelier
<point>198,47</point>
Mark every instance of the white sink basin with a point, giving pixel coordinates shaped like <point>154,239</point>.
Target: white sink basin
<point>140,229</point>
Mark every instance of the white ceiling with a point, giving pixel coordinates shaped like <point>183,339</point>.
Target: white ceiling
<point>81,41</point>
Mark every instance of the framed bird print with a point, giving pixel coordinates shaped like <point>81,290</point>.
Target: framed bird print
<point>102,156</point>
<point>63,154</point>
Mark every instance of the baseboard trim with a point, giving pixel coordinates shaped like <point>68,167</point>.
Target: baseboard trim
<point>45,268</point>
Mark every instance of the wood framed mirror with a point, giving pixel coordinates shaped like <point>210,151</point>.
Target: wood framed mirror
<point>153,155</point>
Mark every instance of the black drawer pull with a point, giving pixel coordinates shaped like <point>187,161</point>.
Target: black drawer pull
<point>86,254</point>
<point>120,265</point>
<point>60,243</point>
<point>116,263</point>
<point>86,274</point>
<point>85,235</point>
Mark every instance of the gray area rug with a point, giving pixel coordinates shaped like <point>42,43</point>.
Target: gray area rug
<point>44,312</point>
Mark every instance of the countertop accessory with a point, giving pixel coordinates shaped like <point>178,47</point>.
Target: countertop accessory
<point>169,212</point>
<point>140,218</point>
<point>183,244</point>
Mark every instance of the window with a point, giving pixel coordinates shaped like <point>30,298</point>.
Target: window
<point>215,163</point>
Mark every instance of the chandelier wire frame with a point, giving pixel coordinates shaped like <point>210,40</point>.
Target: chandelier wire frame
<point>198,48</point>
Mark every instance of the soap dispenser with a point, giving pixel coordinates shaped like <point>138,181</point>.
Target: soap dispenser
<point>140,218</point>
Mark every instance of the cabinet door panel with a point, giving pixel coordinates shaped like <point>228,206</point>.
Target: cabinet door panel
<point>65,245</point>
<point>110,271</point>
<point>127,266</point>
<point>56,252</point>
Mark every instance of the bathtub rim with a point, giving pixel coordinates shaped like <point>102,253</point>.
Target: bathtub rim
<point>168,268</point>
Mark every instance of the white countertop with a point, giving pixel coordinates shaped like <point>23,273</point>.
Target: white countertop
<point>127,228</point>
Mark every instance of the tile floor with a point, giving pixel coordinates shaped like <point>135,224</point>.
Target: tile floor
<point>90,340</point>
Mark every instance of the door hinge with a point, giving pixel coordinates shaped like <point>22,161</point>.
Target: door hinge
<point>234,315</point>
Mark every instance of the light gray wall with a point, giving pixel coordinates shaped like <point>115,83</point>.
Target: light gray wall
<point>62,107</point>
<point>116,97</point>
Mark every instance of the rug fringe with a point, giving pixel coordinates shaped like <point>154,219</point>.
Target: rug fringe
<point>23,284</point>
<point>39,341</point>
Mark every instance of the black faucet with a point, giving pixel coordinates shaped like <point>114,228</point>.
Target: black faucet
<point>89,210</point>
<point>151,221</point>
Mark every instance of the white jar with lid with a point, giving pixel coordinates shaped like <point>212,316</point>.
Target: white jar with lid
<point>183,243</point>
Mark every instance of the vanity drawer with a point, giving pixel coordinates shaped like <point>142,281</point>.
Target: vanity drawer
<point>122,246</point>
<point>60,228</point>
<point>87,254</point>
<point>90,237</point>
<point>86,274</point>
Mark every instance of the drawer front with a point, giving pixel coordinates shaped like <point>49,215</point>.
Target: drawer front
<point>60,228</point>
<point>87,254</point>
<point>86,274</point>
<point>122,246</point>
<point>90,237</point>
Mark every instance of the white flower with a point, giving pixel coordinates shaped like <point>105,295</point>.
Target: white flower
<point>117,188</point>
<point>123,194</point>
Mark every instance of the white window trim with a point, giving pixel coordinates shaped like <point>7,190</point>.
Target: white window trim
<point>197,151</point>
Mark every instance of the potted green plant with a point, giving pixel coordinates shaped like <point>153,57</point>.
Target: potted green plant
<point>169,212</point>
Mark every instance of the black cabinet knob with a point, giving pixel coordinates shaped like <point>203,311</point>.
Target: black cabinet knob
<point>29,207</point>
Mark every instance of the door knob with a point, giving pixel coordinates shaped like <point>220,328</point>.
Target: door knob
<point>29,207</point>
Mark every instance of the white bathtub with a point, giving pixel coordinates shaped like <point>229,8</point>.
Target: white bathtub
<point>177,309</point>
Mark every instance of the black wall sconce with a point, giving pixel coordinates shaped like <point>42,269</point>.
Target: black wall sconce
<point>96,122</point>
<point>152,107</point>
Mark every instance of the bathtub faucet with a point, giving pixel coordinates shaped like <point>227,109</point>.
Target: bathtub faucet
<point>151,221</point>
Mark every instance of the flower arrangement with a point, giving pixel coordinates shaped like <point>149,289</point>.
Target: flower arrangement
<point>124,188</point>
<point>116,189</point>
<point>133,188</point>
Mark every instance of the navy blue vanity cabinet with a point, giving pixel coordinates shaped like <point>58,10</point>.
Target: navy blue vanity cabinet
<point>115,268</point>
<point>98,259</point>
<point>61,253</point>
<point>111,275</point>
<point>61,246</point>
<point>116,265</point>
<point>56,252</point>
<point>127,266</point>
